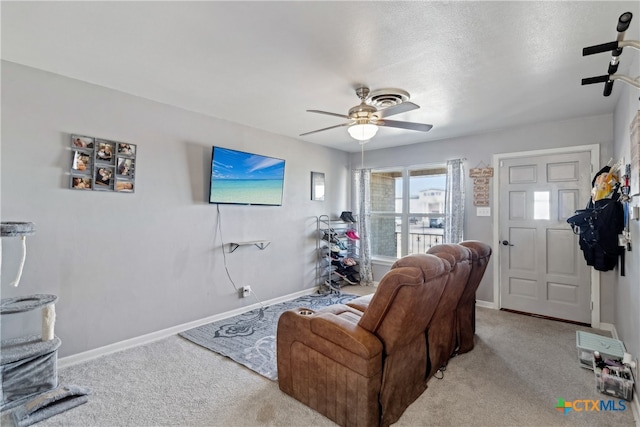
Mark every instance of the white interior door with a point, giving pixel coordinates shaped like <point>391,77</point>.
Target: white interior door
<point>542,270</point>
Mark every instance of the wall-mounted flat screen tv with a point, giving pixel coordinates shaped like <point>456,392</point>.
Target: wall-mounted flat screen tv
<point>245,178</point>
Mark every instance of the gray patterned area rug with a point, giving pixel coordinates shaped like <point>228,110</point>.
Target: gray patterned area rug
<point>250,338</point>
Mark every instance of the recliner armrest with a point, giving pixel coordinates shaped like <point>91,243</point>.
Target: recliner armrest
<point>339,339</point>
<point>346,334</point>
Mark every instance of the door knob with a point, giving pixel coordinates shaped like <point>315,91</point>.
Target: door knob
<point>506,243</point>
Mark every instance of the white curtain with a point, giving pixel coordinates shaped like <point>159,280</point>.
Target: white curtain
<point>454,202</point>
<point>361,180</point>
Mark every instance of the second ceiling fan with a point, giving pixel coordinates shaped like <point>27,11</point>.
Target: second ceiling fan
<point>365,118</point>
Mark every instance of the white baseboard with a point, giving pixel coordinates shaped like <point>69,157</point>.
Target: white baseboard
<point>74,359</point>
<point>487,304</point>
<point>635,407</point>
<point>609,327</point>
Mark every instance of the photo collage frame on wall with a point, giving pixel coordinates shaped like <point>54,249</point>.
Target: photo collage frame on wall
<point>102,165</point>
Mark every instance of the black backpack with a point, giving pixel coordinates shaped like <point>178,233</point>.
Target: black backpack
<point>585,224</point>
<point>598,227</point>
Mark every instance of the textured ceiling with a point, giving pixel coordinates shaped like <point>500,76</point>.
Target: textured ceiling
<point>471,66</point>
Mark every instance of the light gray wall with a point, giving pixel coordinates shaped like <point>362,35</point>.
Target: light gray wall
<point>627,288</point>
<point>124,265</point>
<point>481,148</point>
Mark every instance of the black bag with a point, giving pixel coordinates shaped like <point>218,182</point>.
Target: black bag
<point>598,227</point>
<point>584,224</point>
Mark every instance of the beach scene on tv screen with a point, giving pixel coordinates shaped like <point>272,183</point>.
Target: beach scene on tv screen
<point>245,178</point>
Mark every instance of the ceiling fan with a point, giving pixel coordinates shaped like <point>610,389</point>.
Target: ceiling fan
<point>365,118</point>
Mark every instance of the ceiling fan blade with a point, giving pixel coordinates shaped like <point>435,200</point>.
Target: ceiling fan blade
<point>405,125</point>
<point>344,116</point>
<point>330,127</point>
<point>396,109</point>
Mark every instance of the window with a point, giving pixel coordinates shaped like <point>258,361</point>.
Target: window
<point>407,210</point>
<point>541,205</point>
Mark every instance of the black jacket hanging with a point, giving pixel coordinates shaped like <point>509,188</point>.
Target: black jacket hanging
<point>599,226</point>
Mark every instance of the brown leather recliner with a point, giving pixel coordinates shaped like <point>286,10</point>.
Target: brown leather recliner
<point>466,310</point>
<point>441,334</point>
<point>364,368</point>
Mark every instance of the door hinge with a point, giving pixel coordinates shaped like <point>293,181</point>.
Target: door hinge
<point>591,305</point>
<point>501,163</point>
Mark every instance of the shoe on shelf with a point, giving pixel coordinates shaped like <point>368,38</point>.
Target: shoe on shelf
<point>352,235</point>
<point>349,262</point>
<point>352,279</point>
<point>335,248</point>
<point>349,270</point>
<point>346,216</point>
<point>341,245</point>
<point>336,262</point>
<point>351,218</point>
<point>329,237</point>
<point>349,278</point>
<point>342,269</point>
<point>332,284</point>
<point>340,273</point>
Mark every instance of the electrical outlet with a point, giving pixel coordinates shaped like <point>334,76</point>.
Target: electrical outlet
<point>246,291</point>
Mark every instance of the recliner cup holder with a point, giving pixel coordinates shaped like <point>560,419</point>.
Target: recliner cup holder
<point>305,312</point>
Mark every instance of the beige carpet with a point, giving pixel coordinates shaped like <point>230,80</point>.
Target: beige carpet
<point>520,367</point>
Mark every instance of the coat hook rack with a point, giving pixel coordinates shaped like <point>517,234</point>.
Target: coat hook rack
<point>616,50</point>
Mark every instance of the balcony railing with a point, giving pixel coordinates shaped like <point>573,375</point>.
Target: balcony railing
<point>419,242</point>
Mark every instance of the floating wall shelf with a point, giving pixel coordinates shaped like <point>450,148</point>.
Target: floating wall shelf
<point>17,229</point>
<point>261,244</point>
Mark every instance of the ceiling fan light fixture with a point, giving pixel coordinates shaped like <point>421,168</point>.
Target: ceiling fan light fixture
<point>362,132</point>
<point>365,119</point>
